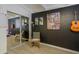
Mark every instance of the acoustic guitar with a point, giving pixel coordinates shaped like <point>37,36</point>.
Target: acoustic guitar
<point>75,24</point>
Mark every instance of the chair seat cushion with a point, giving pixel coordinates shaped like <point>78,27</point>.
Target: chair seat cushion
<point>35,40</point>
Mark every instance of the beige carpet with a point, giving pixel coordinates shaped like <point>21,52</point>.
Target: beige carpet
<point>11,42</point>
<point>26,49</point>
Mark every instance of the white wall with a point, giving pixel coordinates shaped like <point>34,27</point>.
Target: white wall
<point>3,21</point>
<point>3,32</point>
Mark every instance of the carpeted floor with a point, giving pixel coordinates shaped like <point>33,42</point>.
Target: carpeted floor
<point>26,49</point>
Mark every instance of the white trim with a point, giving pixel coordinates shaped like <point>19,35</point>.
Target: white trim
<point>30,28</point>
<point>64,49</point>
<point>20,31</point>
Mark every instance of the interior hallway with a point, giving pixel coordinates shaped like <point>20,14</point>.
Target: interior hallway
<point>26,49</point>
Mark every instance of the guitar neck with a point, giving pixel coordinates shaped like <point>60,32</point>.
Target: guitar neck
<point>75,15</point>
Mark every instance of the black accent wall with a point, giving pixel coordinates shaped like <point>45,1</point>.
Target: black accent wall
<point>64,37</point>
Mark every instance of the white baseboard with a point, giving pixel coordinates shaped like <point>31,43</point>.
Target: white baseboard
<point>63,49</point>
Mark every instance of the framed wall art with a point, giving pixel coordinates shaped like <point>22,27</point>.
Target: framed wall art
<point>41,21</point>
<point>53,21</point>
<point>36,21</point>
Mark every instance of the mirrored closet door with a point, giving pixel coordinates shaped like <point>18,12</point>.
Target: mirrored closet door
<point>18,30</point>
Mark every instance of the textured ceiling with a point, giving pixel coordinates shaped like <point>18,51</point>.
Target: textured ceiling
<point>54,6</point>
<point>35,7</point>
<point>32,8</point>
<point>43,7</point>
<point>11,15</point>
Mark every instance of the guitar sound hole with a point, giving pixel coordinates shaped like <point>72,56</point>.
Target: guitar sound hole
<point>75,22</point>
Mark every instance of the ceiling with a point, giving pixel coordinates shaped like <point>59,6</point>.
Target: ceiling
<point>11,15</point>
<point>54,6</point>
<point>43,7</point>
<point>35,7</point>
<point>38,8</point>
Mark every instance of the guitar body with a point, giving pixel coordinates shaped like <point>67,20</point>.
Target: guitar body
<point>75,26</point>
